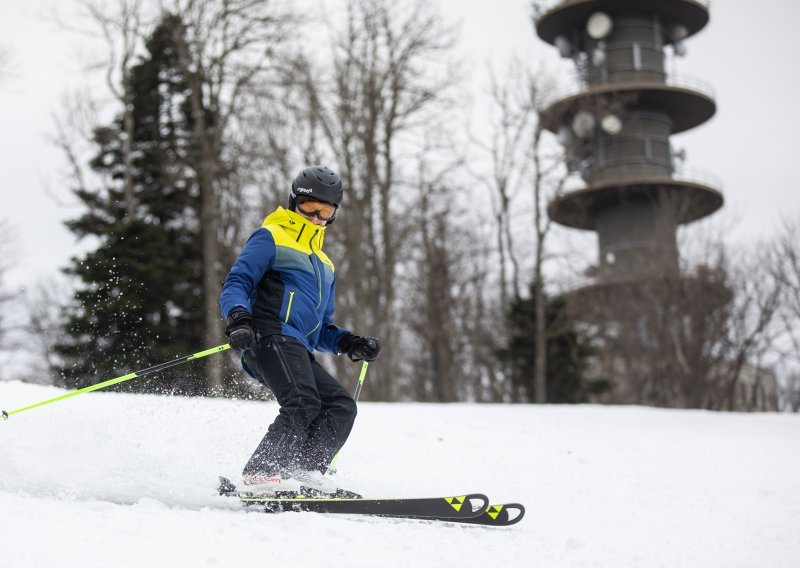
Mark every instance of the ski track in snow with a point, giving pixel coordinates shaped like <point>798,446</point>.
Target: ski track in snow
<point>129,480</point>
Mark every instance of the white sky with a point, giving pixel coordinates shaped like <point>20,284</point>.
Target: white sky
<point>747,54</point>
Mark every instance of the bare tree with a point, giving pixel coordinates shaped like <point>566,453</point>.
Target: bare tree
<point>121,25</point>
<point>513,121</point>
<point>431,297</point>
<point>387,77</point>
<point>785,268</point>
<point>791,392</point>
<point>784,262</point>
<point>522,162</point>
<point>549,178</point>
<point>225,48</point>
<point>74,127</point>
<point>481,322</point>
<point>750,321</point>
<point>696,340</point>
<point>44,304</point>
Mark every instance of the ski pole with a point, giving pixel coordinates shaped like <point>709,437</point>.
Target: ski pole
<point>357,392</point>
<point>361,378</point>
<point>123,378</point>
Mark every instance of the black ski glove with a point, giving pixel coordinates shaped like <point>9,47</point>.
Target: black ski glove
<point>240,331</point>
<point>358,348</point>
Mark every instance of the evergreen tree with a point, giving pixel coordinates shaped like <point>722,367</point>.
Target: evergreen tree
<point>140,295</point>
<point>567,353</point>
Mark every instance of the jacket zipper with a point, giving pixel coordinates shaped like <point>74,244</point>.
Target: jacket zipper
<point>316,270</point>
<point>289,307</point>
<point>319,278</point>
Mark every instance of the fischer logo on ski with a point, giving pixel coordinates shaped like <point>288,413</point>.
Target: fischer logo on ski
<point>494,510</point>
<point>456,502</point>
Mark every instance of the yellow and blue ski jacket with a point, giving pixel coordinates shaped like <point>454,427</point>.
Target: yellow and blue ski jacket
<point>286,282</point>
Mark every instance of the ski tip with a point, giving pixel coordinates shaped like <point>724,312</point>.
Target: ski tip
<point>520,508</point>
<point>4,414</point>
<point>505,514</point>
<point>479,502</point>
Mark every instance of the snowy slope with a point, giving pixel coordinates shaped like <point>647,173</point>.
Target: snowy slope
<point>128,480</point>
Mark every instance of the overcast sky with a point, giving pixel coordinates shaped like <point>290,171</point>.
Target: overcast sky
<point>747,54</point>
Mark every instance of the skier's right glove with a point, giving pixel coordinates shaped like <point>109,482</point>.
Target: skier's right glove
<point>241,334</point>
<point>358,348</point>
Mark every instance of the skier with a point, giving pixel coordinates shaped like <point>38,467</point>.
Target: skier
<point>278,300</point>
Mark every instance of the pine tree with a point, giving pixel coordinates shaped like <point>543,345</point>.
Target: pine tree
<point>140,295</point>
<point>567,353</point>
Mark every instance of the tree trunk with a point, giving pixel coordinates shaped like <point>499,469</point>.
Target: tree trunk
<point>206,136</point>
<point>213,331</point>
<point>540,345</point>
<point>127,122</point>
<point>540,340</point>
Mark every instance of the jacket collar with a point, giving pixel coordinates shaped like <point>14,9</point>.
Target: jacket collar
<point>301,229</point>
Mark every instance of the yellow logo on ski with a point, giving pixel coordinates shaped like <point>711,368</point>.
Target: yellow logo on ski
<point>494,510</point>
<point>456,502</point>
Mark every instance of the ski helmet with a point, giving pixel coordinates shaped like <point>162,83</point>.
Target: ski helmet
<point>319,183</point>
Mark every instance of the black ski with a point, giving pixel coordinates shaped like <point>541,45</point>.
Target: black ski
<point>471,508</point>
<point>497,515</point>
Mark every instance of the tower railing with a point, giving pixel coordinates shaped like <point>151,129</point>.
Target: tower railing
<point>694,176</point>
<point>691,83</point>
<point>541,7</point>
<point>699,177</point>
<point>685,82</point>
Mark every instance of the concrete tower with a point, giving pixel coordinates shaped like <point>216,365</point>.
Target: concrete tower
<point>616,133</point>
<point>616,128</point>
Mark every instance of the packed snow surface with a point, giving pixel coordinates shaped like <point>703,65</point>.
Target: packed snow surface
<point>110,479</point>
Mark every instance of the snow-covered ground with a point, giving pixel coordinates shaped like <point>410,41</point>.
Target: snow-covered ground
<point>129,480</point>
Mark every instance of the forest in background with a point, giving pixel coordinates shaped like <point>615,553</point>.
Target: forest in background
<point>443,247</point>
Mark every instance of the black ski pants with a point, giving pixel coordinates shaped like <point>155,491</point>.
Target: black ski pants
<point>316,413</point>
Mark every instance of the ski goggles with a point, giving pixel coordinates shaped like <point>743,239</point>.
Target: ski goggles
<point>313,208</point>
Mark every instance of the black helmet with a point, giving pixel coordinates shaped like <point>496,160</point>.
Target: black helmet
<point>317,182</point>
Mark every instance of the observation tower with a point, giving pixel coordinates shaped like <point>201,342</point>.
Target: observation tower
<point>616,128</point>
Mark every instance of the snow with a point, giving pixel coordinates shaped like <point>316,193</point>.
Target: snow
<point>110,479</point>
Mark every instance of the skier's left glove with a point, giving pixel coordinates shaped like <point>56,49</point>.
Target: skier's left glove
<point>358,348</point>
<point>240,331</point>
